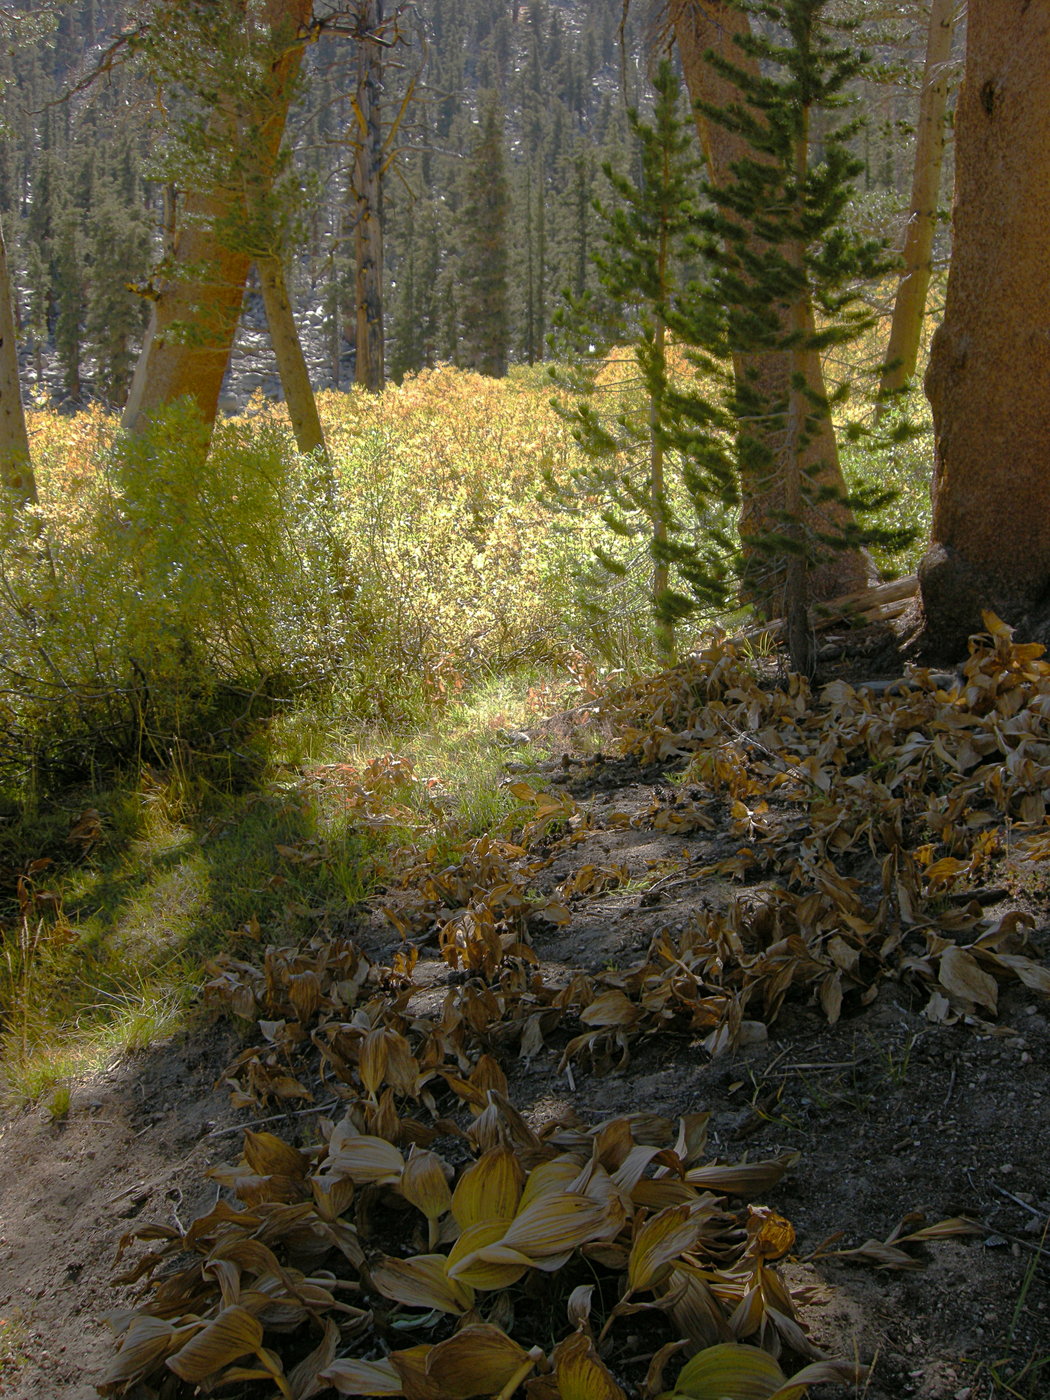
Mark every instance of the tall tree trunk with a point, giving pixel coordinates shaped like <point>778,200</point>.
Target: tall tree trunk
<point>800,637</point>
<point>661,583</point>
<point>291,363</point>
<point>910,305</point>
<point>988,380</point>
<point>368,197</point>
<point>196,307</point>
<point>16,471</point>
<point>701,26</point>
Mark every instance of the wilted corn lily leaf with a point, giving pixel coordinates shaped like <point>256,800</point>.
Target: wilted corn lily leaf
<point>479,1360</point>
<point>887,1254</point>
<point>143,1347</point>
<point>367,1159</point>
<point>742,1178</point>
<point>422,1282</point>
<point>660,1240</point>
<point>580,1373</point>
<point>233,1334</point>
<point>466,1262</point>
<point>352,1377</point>
<point>489,1190</point>
<point>730,1371</point>
<point>423,1182</point>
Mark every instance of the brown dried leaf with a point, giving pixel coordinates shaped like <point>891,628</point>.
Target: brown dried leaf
<point>367,1159</point>
<point>423,1182</point>
<point>144,1346</point>
<point>659,1241</point>
<point>352,1377</point>
<point>233,1334</point>
<point>580,1372</point>
<point>962,978</point>
<point>422,1282</point>
<point>478,1360</point>
<point>744,1178</point>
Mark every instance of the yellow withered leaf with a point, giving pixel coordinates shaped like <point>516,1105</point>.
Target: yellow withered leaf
<point>368,1159</point>
<point>730,1371</point>
<point>423,1182</point>
<point>770,1235</point>
<point>332,1195</point>
<point>233,1334</point>
<point>411,1366</point>
<point>658,1243</point>
<point>268,1155</point>
<point>951,1228</point>
<point>743,1178</point>
<point>696,1311</point>
<point>945,869</point>
<point>489,1190</point>
<point>960,975</point>
<point>145,1344</point>
<point>611,1009</point>
<point>580,1372</point>
<point>422,1282</point>
<point>371,1062</point>
<point>351,1377</point>
<point>553,1225</point>
<point>479,1360</point>
<point>662,1191</point>
<point>487,1074</point>
<point>1030,973</point>
<point>466,1263</point>
<point>552,1178</point>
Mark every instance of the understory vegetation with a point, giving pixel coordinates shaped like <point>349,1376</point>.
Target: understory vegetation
<point>187,657</point>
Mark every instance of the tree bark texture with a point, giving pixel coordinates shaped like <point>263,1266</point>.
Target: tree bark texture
<point>701,26</point>
<point>197,303</point>
<point>16,471</point>
<point>291,363</point>
<point>910,304</point>
<point>988,380</point>
<point>368,195</point>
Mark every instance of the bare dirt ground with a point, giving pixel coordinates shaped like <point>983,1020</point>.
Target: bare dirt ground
<point>892,1114</point>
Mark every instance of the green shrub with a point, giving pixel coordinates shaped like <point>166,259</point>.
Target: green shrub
<point>146,604</point>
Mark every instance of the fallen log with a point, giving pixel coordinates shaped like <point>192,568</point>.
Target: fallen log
<point>880,603</point>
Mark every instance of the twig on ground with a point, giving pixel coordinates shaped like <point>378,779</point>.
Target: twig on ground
<point>1039,1214</point>
<point>274,1118</point>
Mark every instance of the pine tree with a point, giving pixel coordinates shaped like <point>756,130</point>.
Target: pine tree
<point>484,314</point>
<point>780,248</point>
<point>69,302</point>
<point>657,457</point>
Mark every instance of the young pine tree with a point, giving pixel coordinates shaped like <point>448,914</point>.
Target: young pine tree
<point>788,273</point>
<point>484,311</point>
<point>656,460</point>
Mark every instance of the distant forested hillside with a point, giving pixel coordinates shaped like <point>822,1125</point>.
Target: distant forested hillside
<point>86,190</point>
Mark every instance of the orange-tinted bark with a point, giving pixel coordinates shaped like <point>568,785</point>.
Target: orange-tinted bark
<point>988,380</point>
<point>702,26</point>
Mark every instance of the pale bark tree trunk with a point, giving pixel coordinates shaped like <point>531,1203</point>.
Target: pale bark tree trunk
<point>16,471</point>
<point>291,363</point>
<point>988,380</point>
<point>701,26</point>
<point>910,304</point>
<point>368,196</point>
<point>196,308</point>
